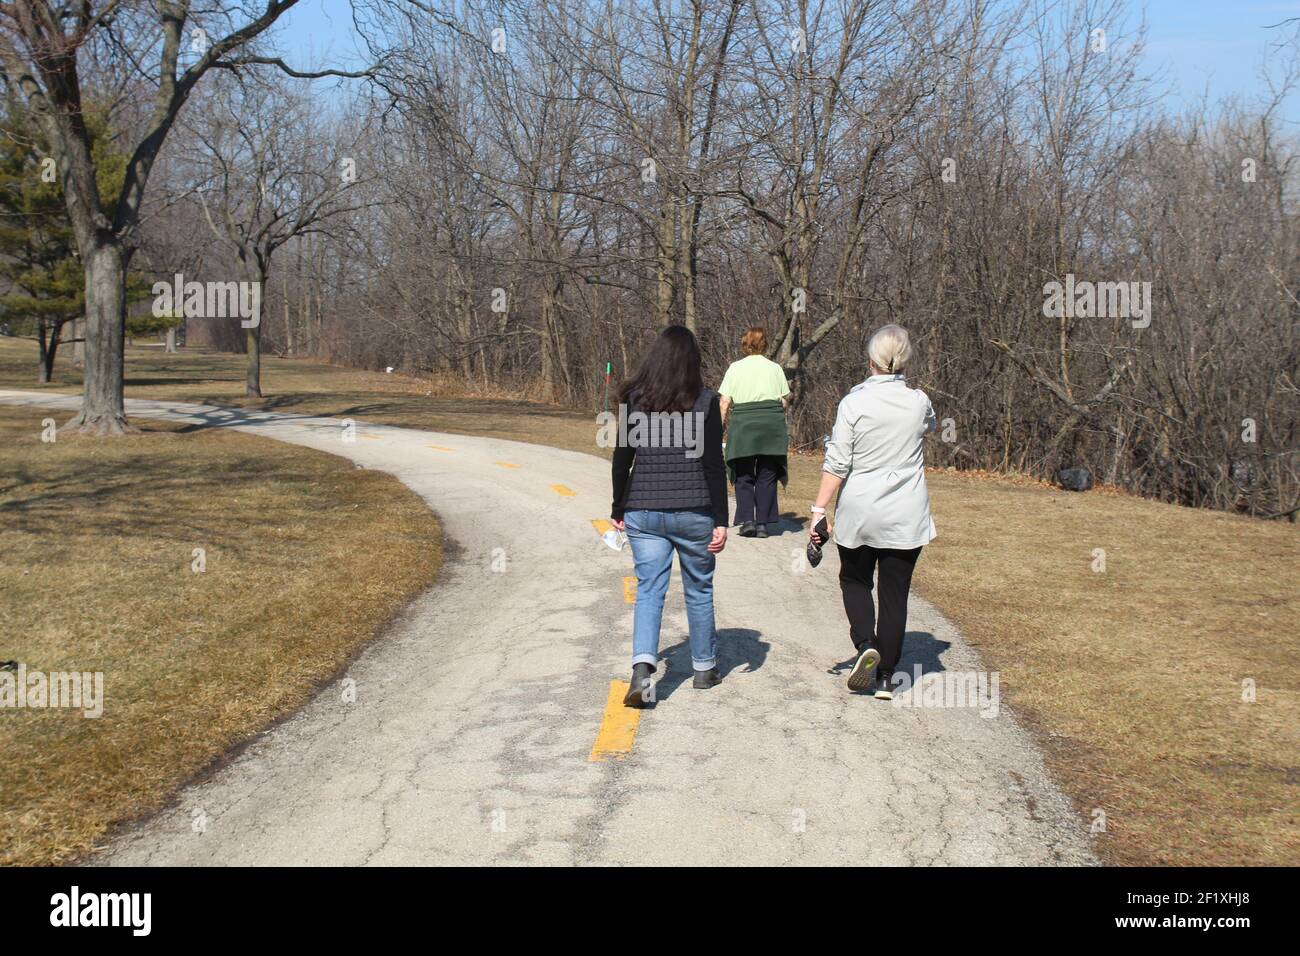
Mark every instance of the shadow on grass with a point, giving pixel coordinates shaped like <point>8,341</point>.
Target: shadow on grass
<point>185,378</point>
<point>114,494</point>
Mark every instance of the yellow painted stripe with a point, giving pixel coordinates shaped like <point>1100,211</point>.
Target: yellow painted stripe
<point>439,448</point>
<point>629,590</point>
<point>617,728</point>
<point>601,525</point>
<point>370,437</point>
<point>505,464</point>
<point>562,491</point>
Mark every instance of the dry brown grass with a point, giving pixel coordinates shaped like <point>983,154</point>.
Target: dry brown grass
<point>300,387</point>
<point>1134,677</point>
<point>1131,678</point>
<point>98,536</point>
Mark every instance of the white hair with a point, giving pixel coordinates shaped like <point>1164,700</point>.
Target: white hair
<point>889,348</point>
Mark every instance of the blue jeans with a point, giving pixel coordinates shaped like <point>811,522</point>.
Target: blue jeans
<point>654,536</point>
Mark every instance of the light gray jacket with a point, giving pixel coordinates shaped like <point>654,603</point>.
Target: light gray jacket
<point>876,447</point>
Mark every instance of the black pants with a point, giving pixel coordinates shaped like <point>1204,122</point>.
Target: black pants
<point>756,478</point>
<point>856,567</point>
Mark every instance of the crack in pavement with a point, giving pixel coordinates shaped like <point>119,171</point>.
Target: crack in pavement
<point>475,711</point>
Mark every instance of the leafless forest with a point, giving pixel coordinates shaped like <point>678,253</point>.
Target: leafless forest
<point>514,194</point>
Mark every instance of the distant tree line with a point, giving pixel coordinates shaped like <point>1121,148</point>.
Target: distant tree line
<point>520,193</point>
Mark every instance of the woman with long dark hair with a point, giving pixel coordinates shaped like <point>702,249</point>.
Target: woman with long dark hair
<point>670,495</point>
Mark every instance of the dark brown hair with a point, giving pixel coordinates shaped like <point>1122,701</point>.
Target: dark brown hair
<point>669,378</point>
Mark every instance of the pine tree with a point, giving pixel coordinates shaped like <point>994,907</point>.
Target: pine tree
<point>42,277</point>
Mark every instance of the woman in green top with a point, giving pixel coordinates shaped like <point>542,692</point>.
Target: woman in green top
<point>754,396</point>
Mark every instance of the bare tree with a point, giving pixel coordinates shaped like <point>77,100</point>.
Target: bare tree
<point>606,167</point>
<point>48,52</point>
<point>269,170</point>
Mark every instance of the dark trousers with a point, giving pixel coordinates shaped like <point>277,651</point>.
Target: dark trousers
<point>885,635</point>
<point>756,478</point>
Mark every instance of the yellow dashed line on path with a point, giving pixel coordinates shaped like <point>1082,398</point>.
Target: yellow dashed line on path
<point>505,464</point>
<point>563,491</point>
<point>629,590</point>
<point>601,525</point>
<point>371,437</point>
<point>617,728</point>
<point>439,448</point>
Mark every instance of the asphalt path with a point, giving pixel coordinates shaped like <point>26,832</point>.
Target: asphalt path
<point>482,726</point>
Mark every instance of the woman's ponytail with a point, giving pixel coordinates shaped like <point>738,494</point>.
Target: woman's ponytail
<point>890,348</point>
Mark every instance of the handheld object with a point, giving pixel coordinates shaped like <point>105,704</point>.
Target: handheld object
<point>815,550</point>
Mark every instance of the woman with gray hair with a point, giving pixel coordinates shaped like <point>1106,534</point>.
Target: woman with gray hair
<point>875,459</point>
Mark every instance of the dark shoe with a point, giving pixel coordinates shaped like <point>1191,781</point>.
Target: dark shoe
<point>863,669</point>
<point>761,531</point>
<point>884,685</point>
<point>642,691</point>
<point>706,679</point>
<point>747,530</point>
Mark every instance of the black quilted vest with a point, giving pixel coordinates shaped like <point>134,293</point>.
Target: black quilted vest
<point>664,478</point>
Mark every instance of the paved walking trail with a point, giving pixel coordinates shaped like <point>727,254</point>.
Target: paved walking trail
<point>471,735</point>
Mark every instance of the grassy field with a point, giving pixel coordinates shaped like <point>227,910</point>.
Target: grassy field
<point>309,388</point>
<point>99,539</point>
<point>1136,678</point>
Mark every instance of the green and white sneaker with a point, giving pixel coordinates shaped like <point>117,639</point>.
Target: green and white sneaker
<point>863,669</point>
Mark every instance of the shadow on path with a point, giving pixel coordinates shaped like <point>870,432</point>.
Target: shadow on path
<point>736,646</point>
<point>225,417</point>
<point>919,647</point>
<point>788,523</point>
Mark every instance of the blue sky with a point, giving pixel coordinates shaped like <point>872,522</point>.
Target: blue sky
<point>1197,45</point>
<point>316,29</point>
<point>1214,44</point>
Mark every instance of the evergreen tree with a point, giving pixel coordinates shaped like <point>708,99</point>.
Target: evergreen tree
<point>41,276</point>
<point>44,285</point>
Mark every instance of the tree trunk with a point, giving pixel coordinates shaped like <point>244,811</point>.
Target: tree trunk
<point>103,408</point>
<point>253,343</point>
<point>688,283</point>
<point>547,347</point>
<point>171,339</point>
<point>289,338</point>
<point>51,350</point>
<point>43,366</point>
<point>665,267</point>
<point>686,255</point>
<point>257,267</point>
